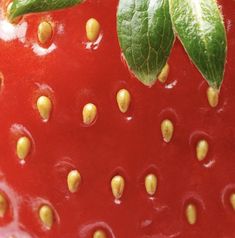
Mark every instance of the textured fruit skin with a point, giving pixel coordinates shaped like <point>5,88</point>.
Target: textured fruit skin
<point>127,144</point>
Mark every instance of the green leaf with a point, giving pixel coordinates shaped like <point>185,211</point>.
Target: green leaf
<point>146,36</point>
<point>22,7</point>
<point>199,25</point>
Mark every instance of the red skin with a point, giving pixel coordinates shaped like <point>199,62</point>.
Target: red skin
<point>129,144</point>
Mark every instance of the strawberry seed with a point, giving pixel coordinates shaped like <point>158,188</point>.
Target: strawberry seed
<point>45,32</point>
<point>46,216</point>
<point>213,96</point>
<point>73,181</point>
<point>92,29</point>
<point>191,214</point>
<point>167,129</point>
<point>164,74</point>
<point>23,147</point>
<point>151,184</point>
<point>123,100</point>
<point>3,205</point>
<point>99,234</point>
<point>117,185</point>
<point>44,106</point>
<point>232,200</point>
<point>202,149</point>
<point>89,113</point>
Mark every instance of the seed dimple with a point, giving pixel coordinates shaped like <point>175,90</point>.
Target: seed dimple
<point>92,29</point>
<point>167,129</point>
<point>3,205</point>
<point>191,214</point>
<point>151,184</point>
<point>202,149</point>
<point>164,73</point>
<point>73,181</point>
<point>99,234</point>
<point>23,147</point>
<point>45,32</point>
<point>46,216</point>
<point>232,200</point>
<point>213,96</point>
<point>123,100</point>
<point>117,185</point>
<point>44,106</point>
<point>89,113</point>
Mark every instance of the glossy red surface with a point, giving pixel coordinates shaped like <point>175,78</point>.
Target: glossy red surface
<point>72,72</point>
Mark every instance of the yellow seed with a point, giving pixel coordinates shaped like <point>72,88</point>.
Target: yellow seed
<point>232,200</point>
<point>46,216</point>
<point>117,185</point>
<point>3,205</point>
<point>9,8</point>
<point>202,149</point>
<point>92,29</point>
<point>167,129</point>
<point>73,181</point>
<point>8,11</point>
<point>123,100</point>
<point>191,214</point>
<point>45,32</point>
<point>44,106</point>
<point>151,184</point>
<point>23,147</point>
<point>99,234</point>
<point>213,96</point>
<point>1,80</point>
<point>164,74</point>
<point>89,113</point>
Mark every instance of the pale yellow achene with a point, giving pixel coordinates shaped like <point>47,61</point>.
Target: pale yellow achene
<point>46,216</point>
<point>23,147</point>
<point>45,32</point>
<point>92,29</point>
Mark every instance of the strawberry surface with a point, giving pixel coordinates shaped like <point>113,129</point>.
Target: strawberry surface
<point>72,72</point>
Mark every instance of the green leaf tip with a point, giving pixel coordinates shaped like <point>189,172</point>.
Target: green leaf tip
<point>199,26</point>
<point>145,36</point>
<point>22,7</point>
<point>146,30</point>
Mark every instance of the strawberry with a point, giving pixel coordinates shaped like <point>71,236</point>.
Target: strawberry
<point>88,151</point>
